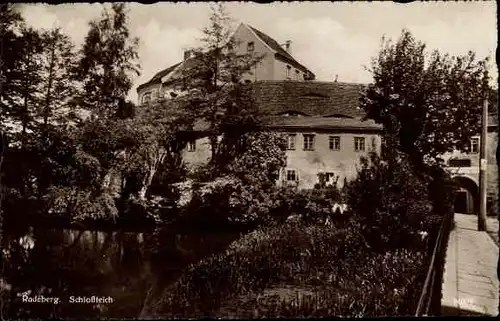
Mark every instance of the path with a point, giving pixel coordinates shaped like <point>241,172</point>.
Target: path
<point>470,281</point>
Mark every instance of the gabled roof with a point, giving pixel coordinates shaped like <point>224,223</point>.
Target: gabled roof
<point>158,76</point>
<point>273,44</point>
<point>280,52</point>
<point>312,98</point>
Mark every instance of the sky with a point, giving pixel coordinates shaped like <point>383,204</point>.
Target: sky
<point>330,38</point>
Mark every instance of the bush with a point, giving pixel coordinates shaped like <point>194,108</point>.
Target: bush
<point>230,200</point>
<point>390,202</point>
<point>311,257</point>
<point>312,206</point>
<point>242,191</point>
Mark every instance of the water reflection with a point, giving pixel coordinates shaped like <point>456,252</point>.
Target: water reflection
<point>122,265</point>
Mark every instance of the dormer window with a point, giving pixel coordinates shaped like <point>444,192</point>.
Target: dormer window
<point>250,47</point>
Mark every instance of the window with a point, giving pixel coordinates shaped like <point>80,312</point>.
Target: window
<point>374,144</point>
<point>297,74</point>
<point>191,146</point>
<point>334,142</point>
<point>291,175</point>
<point>146,98</point>
<point>359,144</point>
<point>308,142</point>
<point>474,145</point>
<point>250,47</point>
<point>288,70</point>
<point>291,142</point>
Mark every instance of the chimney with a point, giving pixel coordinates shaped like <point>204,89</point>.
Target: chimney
<point>336,78</point>
<point>187,54</point>
<point>288,47</point>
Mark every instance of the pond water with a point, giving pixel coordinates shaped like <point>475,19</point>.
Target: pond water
<point>122,269</point>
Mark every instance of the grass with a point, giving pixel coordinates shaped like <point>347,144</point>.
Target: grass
<point>297,271</point>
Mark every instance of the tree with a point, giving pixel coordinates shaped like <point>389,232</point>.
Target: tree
<point>78,173</point>
<point>27,83</point>
<point>10,20</point>
<point>248,191</point>
<point>216,93</point>
<point>155,131</point>
<point>11,23</point>
<point>58,87</point>
<point>428,104</point>
<point>109,60</point>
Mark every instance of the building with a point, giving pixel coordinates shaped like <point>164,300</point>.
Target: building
<point>464,167</point>
<point>322,121</point>
<point>277,63</point>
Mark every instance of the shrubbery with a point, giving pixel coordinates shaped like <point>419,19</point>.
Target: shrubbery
<point>229,200</point>
<point>390,202</point>
<point>372,261</point>
<point>341,279</point>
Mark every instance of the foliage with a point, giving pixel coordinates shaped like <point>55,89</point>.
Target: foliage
<point>298,257</point>
<point>246,192</point>
<point>54,159</point>
<point>10,56</point>
<point>388,201</point>
<point>81,204</point>
<point>428,104</point>
<point>35,98</point>
<point>306,206</point>
<point>249,192</point>
<point>107,63</point>
<point>216,95</point>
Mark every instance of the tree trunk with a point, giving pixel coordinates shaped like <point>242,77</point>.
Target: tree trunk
<point>153,168</point>
<point>49,86</point>
<point>42,186</point>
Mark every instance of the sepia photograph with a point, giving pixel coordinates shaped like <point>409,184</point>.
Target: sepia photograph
<point>249,160</point>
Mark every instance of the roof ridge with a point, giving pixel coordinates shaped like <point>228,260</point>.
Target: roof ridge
<point>160,74</point>
<point>273,44</point>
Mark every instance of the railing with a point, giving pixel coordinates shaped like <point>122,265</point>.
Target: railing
<point>429,302</point>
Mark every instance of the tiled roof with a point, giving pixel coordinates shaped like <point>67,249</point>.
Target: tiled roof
<point>311,98</point>
<point>278,48</point>
<point>305,122</point>
<point>157,78</point>
<point>318,122</point>
<point>322,105</point>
